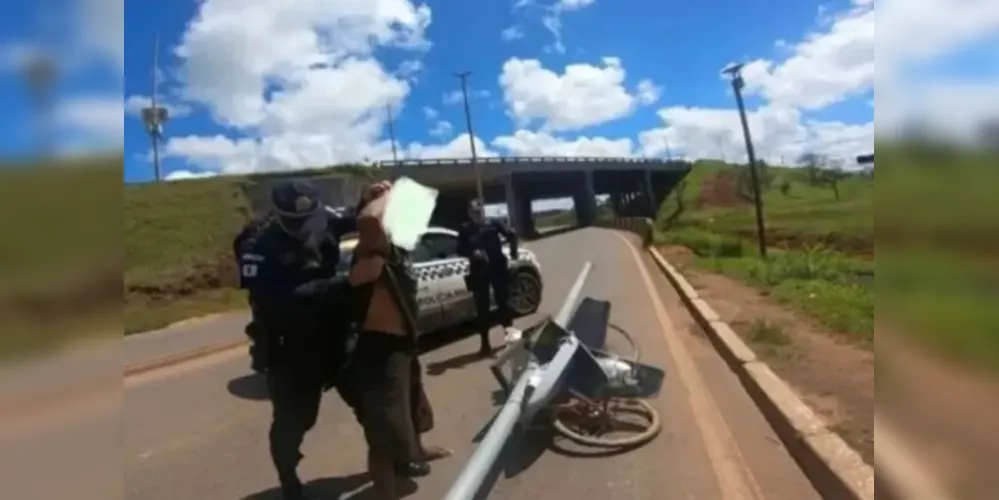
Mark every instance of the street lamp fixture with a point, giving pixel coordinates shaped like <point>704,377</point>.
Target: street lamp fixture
<point>463,76</point>
<point>153,117</point>
<point>735,73</point>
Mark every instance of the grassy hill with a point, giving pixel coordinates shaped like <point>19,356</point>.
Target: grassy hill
<point>60,256</point>
<point>937,223</point>
<point>178,241</point>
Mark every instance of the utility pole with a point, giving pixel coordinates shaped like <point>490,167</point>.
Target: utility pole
<point>41,75</point>
<point>735,71</point>
<point>391,126</point>
<point>463,76</point>
<point>155,116</point>
<point>669,150</point>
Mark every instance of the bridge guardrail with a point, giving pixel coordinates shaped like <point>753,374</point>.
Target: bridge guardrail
<point>644,227</point>
<point>526,159</point>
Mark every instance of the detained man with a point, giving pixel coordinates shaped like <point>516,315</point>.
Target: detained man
<point>385,369</point>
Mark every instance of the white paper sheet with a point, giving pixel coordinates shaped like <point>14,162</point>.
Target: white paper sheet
<point>407,212</point>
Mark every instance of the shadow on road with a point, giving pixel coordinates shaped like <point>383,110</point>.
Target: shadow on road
<point>333,488</point>
<point>455,363</point>
<point>252,387</point>
<point>518,455</point>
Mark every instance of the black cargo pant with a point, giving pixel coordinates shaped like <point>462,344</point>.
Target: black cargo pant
<point>482,280</point>
<point>296,392</point>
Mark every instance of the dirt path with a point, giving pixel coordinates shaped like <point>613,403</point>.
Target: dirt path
<point>946,414</point>
<point>835,377</point>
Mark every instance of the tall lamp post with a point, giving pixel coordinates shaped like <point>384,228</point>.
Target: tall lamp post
<point>40,73</point>
<point>391,127</point>
<point>154,115</point>
<point>735,72</point>
<point>463,76</point>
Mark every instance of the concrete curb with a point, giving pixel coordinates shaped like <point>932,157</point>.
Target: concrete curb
<point>184,357</point>
<point>835,469</point>
<point>642,226</point>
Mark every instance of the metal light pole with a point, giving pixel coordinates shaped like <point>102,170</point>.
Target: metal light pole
<point>735,71</point>
<point>391,126</point>
<point>463,76</point>
<point>41,74</point>
<point>154,116</point>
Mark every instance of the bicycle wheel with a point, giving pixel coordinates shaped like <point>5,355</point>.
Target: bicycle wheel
<point>603,424</point>
<point>620,343</point>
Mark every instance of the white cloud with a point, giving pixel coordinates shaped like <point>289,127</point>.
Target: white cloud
<point>459,147</point>
<point>924,29</point>
<point>181,175</point>
<point>583,96</point>
<point>234,51</point>
<point>409,69</point>
<point>826,67</point>
<point>104,29</point>
<point>98,119</point>
<point>277,72</point>
<point>569,5</point>
<point>552,21</point>
<point>951,108</point>
<point>430,113</point>
<point>780,134</point>
<point>441,129</point>
<point>648,92</point>
<point>274,152</point>
<point>512,33</point>
<point>527,143</point>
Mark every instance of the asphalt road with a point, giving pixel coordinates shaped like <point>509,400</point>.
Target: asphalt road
<point>199,430</point>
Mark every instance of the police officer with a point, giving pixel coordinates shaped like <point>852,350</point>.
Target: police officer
<point>258,347</point>
<point>289,268</point>
<point>479,240</point>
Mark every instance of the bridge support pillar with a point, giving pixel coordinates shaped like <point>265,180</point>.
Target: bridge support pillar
<point>650,197</point>
<point>513,209</point>
<point>585,201</point>
<point>525,215</point>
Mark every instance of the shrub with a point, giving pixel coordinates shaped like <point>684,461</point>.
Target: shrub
<point>705,243</point>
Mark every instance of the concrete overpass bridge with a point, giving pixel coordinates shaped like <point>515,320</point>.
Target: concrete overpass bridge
<point>635,186</point>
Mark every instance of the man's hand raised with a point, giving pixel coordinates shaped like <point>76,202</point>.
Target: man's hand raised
<point>375,190</point>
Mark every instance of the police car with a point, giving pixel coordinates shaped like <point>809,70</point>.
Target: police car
<point>443,297</point>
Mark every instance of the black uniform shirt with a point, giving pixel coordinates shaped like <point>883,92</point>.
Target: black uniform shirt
<point>486,237</point>
<point>299,296</point>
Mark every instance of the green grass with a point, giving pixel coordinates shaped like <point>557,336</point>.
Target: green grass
<point>178,260</point>
<point>60,256</point>
<point>809,230</point>
<point>142,314</point>
<point>173,231</point>
<point>939,227</point>
<point>820,283</point>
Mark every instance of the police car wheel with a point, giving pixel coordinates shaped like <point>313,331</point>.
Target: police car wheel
<point>525,293</point>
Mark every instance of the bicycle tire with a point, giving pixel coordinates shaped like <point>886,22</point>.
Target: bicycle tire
<point>640,439</point>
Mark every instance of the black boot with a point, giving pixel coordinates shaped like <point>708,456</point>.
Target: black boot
<point>485,348</point>
<point>291,486</point>
<point>412,469</point>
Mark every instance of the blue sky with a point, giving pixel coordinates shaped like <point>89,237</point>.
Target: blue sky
<point>679,46</point>
<point>262,85</point>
